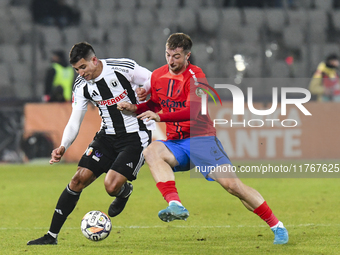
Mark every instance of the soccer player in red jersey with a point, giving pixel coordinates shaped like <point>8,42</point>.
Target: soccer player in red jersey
<point>191,137</point>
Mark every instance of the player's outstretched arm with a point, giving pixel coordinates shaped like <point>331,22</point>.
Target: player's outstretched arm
<point>57,154</point>
<point>126,106</point>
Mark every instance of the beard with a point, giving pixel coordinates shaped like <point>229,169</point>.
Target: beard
<point>176,68</point>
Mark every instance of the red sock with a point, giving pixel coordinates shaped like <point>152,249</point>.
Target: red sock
<point>266,214</point>
<point>168,190</point>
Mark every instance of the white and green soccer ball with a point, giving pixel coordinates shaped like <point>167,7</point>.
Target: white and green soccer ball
<point>96,225</point>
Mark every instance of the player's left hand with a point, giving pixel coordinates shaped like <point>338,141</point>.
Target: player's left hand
<point>149,115</point>
<point>141,93</point>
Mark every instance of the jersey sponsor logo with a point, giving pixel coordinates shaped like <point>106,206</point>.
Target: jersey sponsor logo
<point>113,101</point>
<point>119,69</point>
<point>172,103</point>
<point>95,158</point>
<point>98,154</point>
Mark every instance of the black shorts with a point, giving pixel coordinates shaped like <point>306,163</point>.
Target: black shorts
<point>121,153</point>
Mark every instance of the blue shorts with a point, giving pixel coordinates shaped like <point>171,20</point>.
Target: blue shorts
<point>202,151</point>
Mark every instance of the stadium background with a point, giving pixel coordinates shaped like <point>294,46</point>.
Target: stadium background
<point>282,41</point>
<point>305,205</point>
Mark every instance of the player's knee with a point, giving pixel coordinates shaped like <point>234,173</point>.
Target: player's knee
<point>81,179</point>
<point>149,153</point>
<point>112,188</point>
<point>154,152</point>
<point>77,184</point>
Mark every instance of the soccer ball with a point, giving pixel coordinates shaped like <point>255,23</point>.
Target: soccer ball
<point>96,225</point>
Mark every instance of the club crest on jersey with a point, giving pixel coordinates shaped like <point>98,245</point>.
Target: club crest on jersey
<point>114,83</point>
<point>199,92</point>
<point>88,151</point>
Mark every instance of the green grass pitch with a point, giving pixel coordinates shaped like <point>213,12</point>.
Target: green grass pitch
<point>218,222</point>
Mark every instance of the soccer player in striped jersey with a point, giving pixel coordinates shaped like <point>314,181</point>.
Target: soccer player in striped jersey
<point>191,137</point>
<point>117,148</point>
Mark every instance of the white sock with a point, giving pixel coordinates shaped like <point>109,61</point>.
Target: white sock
<point>279,224</point>
<point>52,234</point>
<point>176,202</point>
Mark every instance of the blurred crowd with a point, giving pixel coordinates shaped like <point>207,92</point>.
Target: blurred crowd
<point>54,12</point>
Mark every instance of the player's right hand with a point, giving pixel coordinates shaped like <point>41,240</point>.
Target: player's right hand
<point>57,154</point>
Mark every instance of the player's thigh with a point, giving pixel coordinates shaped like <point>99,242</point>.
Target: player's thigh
<point>207,155</point>
<point>128,163</point>
<point>81,179</point>
<point>158,150</point>
<point>130,156</point>
<point>99,155</point>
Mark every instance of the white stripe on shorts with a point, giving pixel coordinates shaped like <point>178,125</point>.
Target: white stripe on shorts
<point>144,139</point>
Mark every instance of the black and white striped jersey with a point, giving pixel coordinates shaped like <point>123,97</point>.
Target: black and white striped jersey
<point>117,83</point>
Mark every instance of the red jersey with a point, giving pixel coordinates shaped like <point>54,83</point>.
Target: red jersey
<point>179,102</point>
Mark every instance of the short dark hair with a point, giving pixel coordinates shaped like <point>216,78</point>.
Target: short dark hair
<point>179,40</point>
<point>81,50</point>
<point>332,56</point>
<point>60,53</point>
